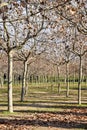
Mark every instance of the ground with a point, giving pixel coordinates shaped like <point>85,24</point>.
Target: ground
<point>69,119</point>
<point>44,109</point>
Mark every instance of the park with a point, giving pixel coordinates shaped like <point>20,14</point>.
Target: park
<point>43,64</point>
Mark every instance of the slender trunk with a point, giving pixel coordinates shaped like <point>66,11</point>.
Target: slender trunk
<point>74,77</point>
<point>27,81</point>
<point>67,79</point>
<point>39,79</point>
<point>24,81</point>
<point>10,68</point>
<point>1,81</point>
<point>79,81</point>
<point>43,79</point>
<point>58,74</point>
<point>86,82</point>
<point>51,82</point>
<point>32,79</point>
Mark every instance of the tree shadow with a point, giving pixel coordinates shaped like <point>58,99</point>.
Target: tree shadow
<point>43,123</point>
<point>42,104</point>
<point>65,123</point>
<point>60,112</point>
<point>2,105</point>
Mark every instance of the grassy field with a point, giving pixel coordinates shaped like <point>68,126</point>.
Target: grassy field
<point>44,98</point>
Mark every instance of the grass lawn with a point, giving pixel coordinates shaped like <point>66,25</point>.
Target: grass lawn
<point>46,108</point>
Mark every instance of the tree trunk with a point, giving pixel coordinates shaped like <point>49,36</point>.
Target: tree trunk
<point>86,82</point>
<point>1,81</point>
<point>27,81</point>
<point>10,68</point>
<point>67,79</point>
<point>58,74</point>
<point>79,81</point>
<point>24,81</point>
<point>74,77</point>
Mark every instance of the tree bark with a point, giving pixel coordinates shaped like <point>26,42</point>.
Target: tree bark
<point>74,77</point>
<point>26,81</point>
<point>67,79</point>
<point>58,74</point>
<point>23,91</point>
<point>1,81</point>
<point>10,68</point>
<point>79,81</point>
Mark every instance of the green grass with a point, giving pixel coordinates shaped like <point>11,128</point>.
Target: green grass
<point>7,113</point>
<point>45,93</point>
<point>42,97</point>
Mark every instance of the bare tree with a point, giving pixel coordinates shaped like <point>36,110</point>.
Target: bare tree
<point>23,20</point>
<point>80,55</point>
<point>28,55</point>
<point>17,26</point>
<point>79,48</point>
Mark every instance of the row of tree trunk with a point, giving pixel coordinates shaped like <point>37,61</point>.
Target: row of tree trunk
<point>23,92</point>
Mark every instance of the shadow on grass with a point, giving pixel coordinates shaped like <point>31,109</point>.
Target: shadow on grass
<point>62,122</point>
<point>2,105</point>
<point>44,104</point>
<point>54,112</point>
<point>60,112</point>
<point>65,107</point>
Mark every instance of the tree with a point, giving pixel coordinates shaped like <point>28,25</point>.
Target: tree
<point>67,59</point>
<point>79,48</point>
<point>27,56</point>
<point>80,55</point>
<point>17,26</point>
<point>24,20</point>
